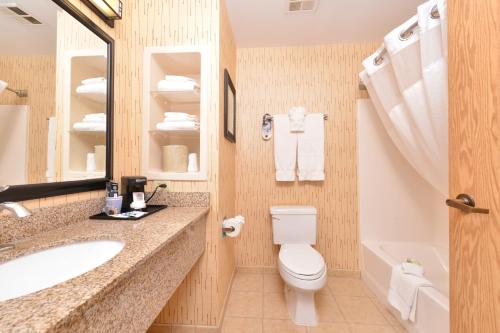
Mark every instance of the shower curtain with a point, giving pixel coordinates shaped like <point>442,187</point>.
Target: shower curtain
<point>409,89</point>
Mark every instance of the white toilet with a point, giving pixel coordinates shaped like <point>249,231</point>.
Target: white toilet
<point>302,267</point>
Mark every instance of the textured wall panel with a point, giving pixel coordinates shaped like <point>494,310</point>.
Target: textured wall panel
<point>272,80</point>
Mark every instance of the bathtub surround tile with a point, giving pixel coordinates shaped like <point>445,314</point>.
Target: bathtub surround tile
<point>275,306</point>
<point>340,286</point>
<point>246,304</point>
<point>327,310</point>
<point>126,293</point>
<point>360,310</point>
<point>273,283</point>
<point>241,325</point>
<point>248,282</point>
<point>282,326</point>
<point>329,328</point>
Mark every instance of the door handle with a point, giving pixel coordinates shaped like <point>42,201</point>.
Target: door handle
<point>466,203</point>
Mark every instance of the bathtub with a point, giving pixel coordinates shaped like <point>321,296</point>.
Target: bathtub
<point>433,310</point>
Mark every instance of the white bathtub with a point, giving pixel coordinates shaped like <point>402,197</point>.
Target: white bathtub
<point>433,310</point>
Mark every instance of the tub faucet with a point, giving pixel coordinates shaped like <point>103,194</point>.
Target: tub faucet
<point>16,209</point>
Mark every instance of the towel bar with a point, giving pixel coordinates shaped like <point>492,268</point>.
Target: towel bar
<point>268,117</point>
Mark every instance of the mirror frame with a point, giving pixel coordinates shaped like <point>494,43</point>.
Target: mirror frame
<point>42,190</point>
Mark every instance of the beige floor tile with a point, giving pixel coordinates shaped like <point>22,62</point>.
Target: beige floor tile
<point>182,329</point>
<point>207,330</point>
<point>282,326</point>
<point>327,309</point>
<point>241,325</point>
<point>329,328</point>
<point>385,312</point>
<point>371,329</point>
<point>360,310</point>
<point>273,283</point>
<point>340,286</point>
<point>160,329</point>
<point>248,282</point>
<point>244,304</point>
<point>275,306</point>
<point>399,329</point>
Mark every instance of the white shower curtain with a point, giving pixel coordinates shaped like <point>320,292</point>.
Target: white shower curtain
<point>409,89</point>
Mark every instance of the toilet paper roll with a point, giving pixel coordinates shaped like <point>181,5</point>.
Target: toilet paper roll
<point>235,222</point>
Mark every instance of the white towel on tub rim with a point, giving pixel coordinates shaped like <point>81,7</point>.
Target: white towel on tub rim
<point>403,292</point>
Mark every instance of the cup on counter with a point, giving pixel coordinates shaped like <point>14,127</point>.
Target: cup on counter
<point>113,205</point>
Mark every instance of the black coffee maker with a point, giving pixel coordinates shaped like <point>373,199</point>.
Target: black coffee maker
<point>131,184</point>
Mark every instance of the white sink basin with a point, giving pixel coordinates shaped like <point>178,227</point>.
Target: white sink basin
<point>45,269</point>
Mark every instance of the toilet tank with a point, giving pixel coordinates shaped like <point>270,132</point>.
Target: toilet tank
<point>294,224</point>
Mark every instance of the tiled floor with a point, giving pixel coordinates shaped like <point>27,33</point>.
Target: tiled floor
<point>257,305</point>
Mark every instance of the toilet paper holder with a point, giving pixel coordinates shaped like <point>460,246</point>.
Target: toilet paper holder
<point>229,229</point>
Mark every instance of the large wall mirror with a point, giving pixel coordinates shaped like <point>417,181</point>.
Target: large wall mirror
<point>56,84</point>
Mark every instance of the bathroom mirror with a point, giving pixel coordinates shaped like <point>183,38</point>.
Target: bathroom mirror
<point>56,87</point>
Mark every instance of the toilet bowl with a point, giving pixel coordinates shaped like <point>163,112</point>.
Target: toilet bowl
<point>303,270</point>
<point>301,267</point>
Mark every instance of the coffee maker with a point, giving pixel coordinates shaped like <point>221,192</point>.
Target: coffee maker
<point>131,184</point>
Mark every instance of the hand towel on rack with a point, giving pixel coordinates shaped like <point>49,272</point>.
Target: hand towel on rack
<point>285,149</point>
<point>297,119</point>
<point>311,149</point>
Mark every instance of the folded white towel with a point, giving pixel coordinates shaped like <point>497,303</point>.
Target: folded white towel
<point>94,91</point>
<point>285,149</point>
<point>165,85</point>
<point>413,269</point>
<point>94,118</point>
<point>297,119</point>
<point>179,116</point>
<point>174,120</point>
<point>403,292</point>
<point>94,80</point>
<point>90,127</point>
<point>311,149</point>
<point>178,78</point>
<point>186,125</point>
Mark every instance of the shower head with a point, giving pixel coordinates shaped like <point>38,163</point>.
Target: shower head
<point>5,86</point>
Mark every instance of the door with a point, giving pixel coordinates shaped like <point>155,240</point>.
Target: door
<point>474,134</point>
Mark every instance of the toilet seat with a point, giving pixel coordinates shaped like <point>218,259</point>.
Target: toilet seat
<point>302,261</point>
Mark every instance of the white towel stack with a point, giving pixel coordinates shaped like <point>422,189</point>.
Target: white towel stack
<point>175,121</point>
<point>177,83</point>
<point>93,122</point>
<point>95,85</point>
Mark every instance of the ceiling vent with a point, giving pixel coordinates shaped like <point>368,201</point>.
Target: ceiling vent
<point>301,6</point>
<point>14,11</point>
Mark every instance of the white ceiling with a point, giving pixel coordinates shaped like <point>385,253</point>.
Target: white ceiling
<point>259,23</point>
<point>17,38</point>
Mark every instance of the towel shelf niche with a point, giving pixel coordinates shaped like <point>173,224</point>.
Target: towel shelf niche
<point>186,61</point>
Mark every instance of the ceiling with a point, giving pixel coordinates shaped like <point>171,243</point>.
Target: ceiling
<point>260,23</point>
<point>18,38</point>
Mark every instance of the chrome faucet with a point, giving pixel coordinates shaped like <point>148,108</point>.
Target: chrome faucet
<point>14,208</point>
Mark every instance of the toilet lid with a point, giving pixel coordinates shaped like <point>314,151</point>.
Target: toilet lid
<point>301,259</point>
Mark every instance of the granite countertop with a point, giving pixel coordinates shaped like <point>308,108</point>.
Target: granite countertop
<point>47,308</point>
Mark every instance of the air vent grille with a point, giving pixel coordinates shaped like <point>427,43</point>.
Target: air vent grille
<point>300,6</point>
<point>17,13</point>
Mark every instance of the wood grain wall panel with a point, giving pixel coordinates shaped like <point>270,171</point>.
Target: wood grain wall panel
<point>322,79</point>
<point>37,74</point>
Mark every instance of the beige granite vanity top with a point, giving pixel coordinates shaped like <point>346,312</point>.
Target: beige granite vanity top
<point>46,309</point>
